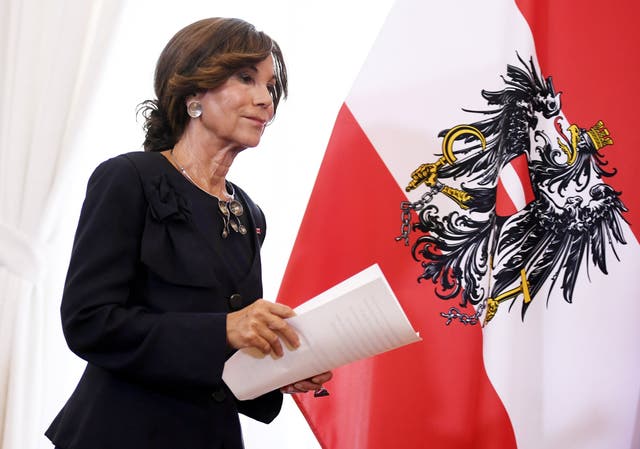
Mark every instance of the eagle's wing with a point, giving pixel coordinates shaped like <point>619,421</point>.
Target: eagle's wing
<point>605,212</point>
<point>507,135</point>
<point>525,237</point>
<point>599,226</point>
<point>551,243</point>
<point>454,255</point>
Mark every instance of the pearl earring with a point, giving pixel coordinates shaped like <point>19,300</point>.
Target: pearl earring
<point>194,109</point>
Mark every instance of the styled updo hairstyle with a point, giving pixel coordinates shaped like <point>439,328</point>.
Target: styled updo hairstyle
<point>199,57</point>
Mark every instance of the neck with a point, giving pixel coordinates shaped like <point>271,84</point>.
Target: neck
<point>205,166</point>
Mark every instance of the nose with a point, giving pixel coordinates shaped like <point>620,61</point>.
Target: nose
<point>263,97</point>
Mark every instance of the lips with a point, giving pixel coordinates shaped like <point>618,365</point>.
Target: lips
<point>258,120</point>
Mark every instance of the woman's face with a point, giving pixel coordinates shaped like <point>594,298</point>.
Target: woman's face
<point>237,112</point>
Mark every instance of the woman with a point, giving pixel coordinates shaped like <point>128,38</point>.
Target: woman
<point>164,282</point>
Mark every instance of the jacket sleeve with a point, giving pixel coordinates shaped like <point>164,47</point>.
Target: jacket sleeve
<point>103,322</point>
<point>264,408</point>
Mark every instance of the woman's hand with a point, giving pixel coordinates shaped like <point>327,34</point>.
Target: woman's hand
<point>261,325</point>
<point>312,384</point>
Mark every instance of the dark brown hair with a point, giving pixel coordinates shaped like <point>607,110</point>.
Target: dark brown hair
<point>199,57</point>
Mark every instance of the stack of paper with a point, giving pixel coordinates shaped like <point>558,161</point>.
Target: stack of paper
<point>358,318</point>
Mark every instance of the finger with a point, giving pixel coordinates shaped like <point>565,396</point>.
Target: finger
<point>265,340</point>
<point>280,310</point>
<point>258,342</point>
<point>286,332</point>
<point>244,330</point>
<point>261,325</point>
<point>307,385</point>
<point>315,382</point>
<point>291,389</point>
<point>274,343</point>
<point>269,312</point>
<point>322,378</point>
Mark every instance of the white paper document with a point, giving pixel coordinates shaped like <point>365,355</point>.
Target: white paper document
<point>358,318</point>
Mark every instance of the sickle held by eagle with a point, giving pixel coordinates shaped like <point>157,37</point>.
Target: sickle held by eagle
<point>453,134</point>
<point>428,173</point>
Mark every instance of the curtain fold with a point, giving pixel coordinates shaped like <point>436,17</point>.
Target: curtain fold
<point>50,54</point>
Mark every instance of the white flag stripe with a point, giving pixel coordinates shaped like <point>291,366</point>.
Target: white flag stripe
<point>423,70</point>
<point>569,375</point>
<point>513,186</point>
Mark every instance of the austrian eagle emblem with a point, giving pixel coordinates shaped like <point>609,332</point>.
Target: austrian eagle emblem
<point>528,203</point>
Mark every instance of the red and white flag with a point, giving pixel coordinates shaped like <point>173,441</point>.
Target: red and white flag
<point>528,316</point>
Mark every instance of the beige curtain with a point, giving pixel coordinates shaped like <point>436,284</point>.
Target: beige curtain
<point>50,54</point>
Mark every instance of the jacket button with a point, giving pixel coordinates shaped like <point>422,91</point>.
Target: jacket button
<point>219,395</point>
<point>235,301</point>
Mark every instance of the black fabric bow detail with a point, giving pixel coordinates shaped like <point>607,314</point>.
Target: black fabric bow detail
<point>165,203</point>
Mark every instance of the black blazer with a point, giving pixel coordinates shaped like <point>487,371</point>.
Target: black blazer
<point>145,303</point>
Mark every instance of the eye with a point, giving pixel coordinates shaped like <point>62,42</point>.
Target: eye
<point>245,77</point>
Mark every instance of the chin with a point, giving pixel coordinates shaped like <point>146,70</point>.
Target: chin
<point>239,147</point>
<point>245,145</point>
<point>250,143</point>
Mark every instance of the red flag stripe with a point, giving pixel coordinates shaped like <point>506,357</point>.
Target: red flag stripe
<point>433,393</point>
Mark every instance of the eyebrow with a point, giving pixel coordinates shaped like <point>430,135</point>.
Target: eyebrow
<point>255,69</point>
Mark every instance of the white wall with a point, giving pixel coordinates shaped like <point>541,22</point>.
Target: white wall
<point>324,45</point>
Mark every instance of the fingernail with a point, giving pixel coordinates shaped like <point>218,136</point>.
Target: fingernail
<point>320,392</point>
